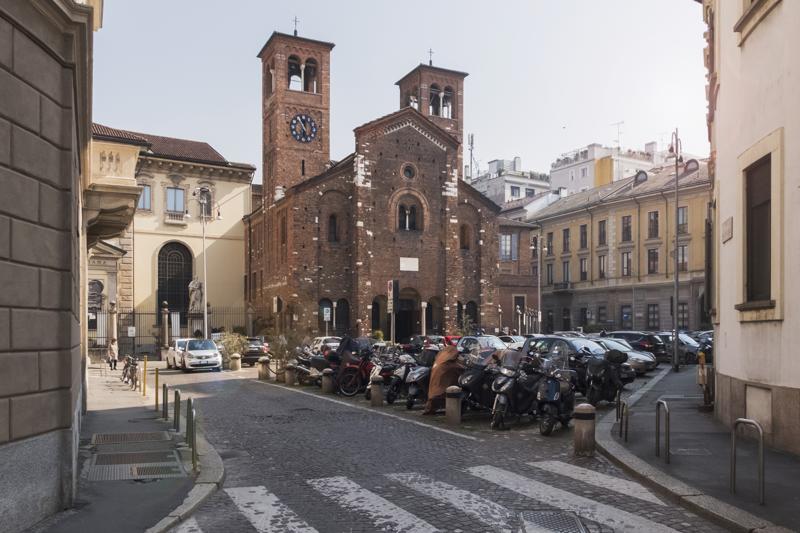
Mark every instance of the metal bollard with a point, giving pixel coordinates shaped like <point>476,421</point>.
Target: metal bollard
<point>165,402</point>
<point>624,419</point>
<point>189,421</point>
<point>659,405</point>
<point>156,389</point>
<point>376,391</point>
<point>583,435</point>
<point>176,410</point>
<point>452,405</point>
<point>618,404</point>
<point>756,425</point>
<point>327,381</point>
<point>194,440</point>
<point>290,375</point>
<point>144,377</point>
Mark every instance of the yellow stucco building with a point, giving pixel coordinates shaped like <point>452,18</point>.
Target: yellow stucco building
<point>161,251</point>
<point>608,262</point>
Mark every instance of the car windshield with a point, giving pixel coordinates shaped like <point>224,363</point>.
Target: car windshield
<point>616,344</point>
<point>585,344</point>
<point>490,341</point>
<point>688,340</point>
<point>657,339</point>
<point>331,340</point>
<point>204,344</point>
<point>181,345</point>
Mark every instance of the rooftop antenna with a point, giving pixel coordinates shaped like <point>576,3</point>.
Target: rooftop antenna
<point>471,141</point>
<point>296,20</point>
<point>430,57</point>
<point>619,133</point>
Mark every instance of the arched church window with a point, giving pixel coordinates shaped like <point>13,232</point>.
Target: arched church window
<point>295,74</point>
<point>435,104</point>
<point>310,76</point>
<point>447,103</point>
<point>412,218</point>
<point>413,98</point>
<point>174,276</point>
<point>269,84</point>
<point>464,237</point>
<point>409,215</point>
<point>333,229</point>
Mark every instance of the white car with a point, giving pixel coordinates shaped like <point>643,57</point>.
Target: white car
<point>514,342</point>
<point>201,354</point>
<point>332,342</point>
<point>174,352</point>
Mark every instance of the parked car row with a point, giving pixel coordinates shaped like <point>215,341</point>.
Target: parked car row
<point>194,354</point>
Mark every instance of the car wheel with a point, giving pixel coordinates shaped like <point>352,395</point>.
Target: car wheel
<point>218,369</point>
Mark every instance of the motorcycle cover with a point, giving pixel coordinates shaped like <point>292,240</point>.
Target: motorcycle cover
<point>444,373</point>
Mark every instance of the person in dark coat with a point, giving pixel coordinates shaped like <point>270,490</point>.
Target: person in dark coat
<point>445,373</point>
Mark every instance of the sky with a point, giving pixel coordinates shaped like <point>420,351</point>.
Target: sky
<point>545,77</point>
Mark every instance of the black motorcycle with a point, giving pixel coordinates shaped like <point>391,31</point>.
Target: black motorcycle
<point>604,377</point>
<point>556,395</point>
<point>515,387</point>
<point>476,381</point>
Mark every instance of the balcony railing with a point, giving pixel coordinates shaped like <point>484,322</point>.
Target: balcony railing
<point>562,286</point>
<point>175,217</point>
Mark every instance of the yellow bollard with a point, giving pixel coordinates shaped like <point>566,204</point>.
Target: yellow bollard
<point>144,377</point>
<point>156,389</point>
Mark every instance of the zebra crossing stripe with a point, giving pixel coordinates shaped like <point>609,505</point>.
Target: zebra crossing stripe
<point>189,526</point>
<point>598,479</point>
<point>488,512</point>
<point>265,511</point>
<point>384,514</point>
<point>615,518</point>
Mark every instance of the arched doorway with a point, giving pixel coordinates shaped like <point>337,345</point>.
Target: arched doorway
<point>174,275</point>
<point>407,322</point>
<point>434,318</point>
<point>342,325</point>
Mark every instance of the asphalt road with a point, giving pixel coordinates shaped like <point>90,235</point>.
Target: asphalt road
<point>297,461</point>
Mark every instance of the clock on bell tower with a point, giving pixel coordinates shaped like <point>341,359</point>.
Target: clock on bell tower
<point>295,109</point>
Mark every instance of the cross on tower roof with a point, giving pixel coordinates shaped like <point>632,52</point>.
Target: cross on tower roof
<point>296,20</point>
<point>430,57</point>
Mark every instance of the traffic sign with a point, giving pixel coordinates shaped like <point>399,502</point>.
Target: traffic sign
<point>390,296</point>
<point>326,314</point>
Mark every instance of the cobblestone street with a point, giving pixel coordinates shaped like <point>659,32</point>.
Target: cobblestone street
<point>299,461</point>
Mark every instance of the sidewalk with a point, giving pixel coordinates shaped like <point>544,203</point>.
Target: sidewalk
<point>699,471</point>
<point>135,472</point>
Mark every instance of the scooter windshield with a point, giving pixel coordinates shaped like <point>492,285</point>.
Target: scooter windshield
<point>479,359</point>
<point>511,359</point>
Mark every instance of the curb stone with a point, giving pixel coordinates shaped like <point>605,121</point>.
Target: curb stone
<point>723,514</point>
<point>209,478</point>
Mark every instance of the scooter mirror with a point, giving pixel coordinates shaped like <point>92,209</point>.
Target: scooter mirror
<point>460,349</point>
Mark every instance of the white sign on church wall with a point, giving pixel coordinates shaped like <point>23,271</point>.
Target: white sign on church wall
<point>409,264</point>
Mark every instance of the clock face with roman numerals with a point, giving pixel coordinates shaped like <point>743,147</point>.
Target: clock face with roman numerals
<point>303,128</point>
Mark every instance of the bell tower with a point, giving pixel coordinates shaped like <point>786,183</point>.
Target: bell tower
<point>295,110</point>
<point>437,93</point>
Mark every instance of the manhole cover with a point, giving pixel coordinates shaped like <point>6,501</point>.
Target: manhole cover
<point>119,438</point>
<point>134,457</point>
<point>558,521</point>
<point>157,471</point>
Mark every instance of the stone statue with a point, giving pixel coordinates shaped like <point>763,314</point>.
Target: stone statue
<point>196,296</point>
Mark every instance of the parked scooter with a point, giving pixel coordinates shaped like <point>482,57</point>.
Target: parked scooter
<point>396,384</point>
<point>476,381</point>
<point>556,395</point>
<point>418,378</point>
<point>515,387</point>
<point>604,377</point>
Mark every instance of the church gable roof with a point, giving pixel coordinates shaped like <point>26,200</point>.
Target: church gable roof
<point>406,117</point>
<point>475,194</point>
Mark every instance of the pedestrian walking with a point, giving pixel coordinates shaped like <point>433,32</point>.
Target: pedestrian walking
<point>113,354</point>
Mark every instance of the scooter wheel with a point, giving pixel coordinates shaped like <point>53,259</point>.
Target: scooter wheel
<point>349,383</point>
<point>391,396</point>
<point>497,420</point>
<point>593,396</point>
<point>546,424</point>
<point>410,403</point>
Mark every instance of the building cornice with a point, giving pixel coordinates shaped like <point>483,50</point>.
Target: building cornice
<point>242,174</point>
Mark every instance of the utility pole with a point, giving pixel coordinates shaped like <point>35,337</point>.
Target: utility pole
<point>675,150</point>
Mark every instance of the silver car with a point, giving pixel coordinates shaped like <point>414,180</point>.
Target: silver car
<point>201,354</point>
<point>641,362</point>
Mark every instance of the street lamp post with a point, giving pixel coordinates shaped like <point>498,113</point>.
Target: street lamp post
<point>675,150</point>
<point>519,321</point>
<point>203,198</point>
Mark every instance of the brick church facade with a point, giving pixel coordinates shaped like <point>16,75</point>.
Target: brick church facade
<point>332,234</point>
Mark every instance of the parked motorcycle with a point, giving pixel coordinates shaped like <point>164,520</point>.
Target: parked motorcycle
<point>604,377</point>
<point>515,387</point>
<point>354,375</point>
<point>418,377</point>
<point>476,381</point>
<point>556,394</point>
<point>383,367</point>
<point>396,384</point>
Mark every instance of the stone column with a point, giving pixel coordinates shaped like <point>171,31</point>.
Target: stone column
<point>164,325</point>
<point>112,322</point>
<point>424,318</point>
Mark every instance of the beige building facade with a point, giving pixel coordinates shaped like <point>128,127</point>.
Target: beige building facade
<point>607,253</point>
<point>161,251</point>
<point>754,128</point>
<point>53,210</point>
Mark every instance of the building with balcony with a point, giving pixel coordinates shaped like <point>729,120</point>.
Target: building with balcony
<point>754,128</point>
<point>505,181</point>
<point>160,252</point>
<point>596,165</point>
<point>607,260</point>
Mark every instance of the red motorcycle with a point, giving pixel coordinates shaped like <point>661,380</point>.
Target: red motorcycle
<point>354,376</point>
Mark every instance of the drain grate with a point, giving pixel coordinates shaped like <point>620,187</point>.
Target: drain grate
<point>558,521</point>
<point>119,438</point>
<point>157,471</point>
<point>127,458</point>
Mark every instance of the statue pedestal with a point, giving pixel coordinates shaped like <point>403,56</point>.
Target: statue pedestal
<point>195,323</point>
